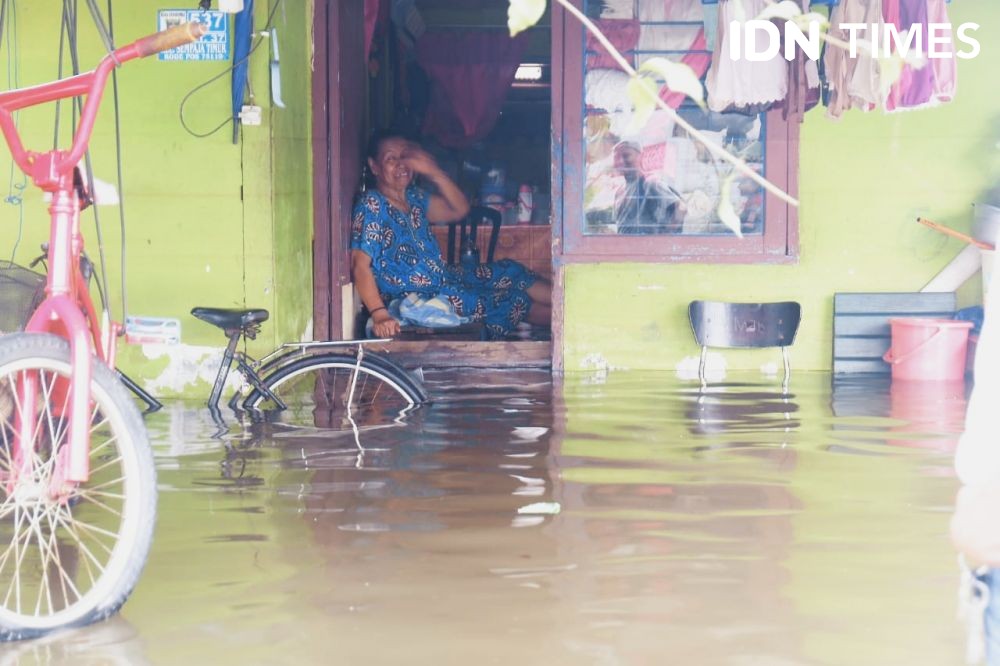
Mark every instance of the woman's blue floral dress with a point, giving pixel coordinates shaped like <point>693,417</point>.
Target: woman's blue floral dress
<point>406,258</point>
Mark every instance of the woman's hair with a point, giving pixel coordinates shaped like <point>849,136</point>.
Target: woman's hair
<point>375,141</point>
<point>377,138</point>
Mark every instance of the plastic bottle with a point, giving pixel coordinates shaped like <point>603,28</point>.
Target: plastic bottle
<point>524,204</point>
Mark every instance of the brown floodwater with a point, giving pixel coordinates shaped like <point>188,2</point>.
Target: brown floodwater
<point>624,519</point>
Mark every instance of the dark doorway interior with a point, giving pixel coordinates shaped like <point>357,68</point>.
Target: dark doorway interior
<point>500,150</point>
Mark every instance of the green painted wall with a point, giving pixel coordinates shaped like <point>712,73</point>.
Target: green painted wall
<point>863,181</point>
<point>208,222</point>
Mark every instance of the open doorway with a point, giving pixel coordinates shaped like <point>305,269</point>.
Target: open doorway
<point>492,137</point>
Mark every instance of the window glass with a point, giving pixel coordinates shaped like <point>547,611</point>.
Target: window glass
<point>654,178</point>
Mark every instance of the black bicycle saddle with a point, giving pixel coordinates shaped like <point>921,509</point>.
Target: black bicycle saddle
<point>230,319</point>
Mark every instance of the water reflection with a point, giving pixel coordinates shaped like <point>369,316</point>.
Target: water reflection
<point>734,407</point>
<point>607,521</point>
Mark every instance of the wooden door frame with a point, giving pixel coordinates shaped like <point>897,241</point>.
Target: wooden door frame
<point>338,33</point>
<point>337,148</point>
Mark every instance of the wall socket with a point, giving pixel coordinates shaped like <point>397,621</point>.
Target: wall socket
<point>250,115</point>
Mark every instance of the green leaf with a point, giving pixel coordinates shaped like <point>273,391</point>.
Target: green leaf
<point>804,20</point>
<point>678,77</point>
<point>727,215</point>
<point>522,14</point>
<point>889,71</point>
<point>786,9</point>
<point>642,92</point>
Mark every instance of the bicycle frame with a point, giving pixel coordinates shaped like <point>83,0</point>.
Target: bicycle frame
<point>67,310</point>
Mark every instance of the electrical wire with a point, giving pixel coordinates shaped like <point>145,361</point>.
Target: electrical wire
<point>15,191</point>
<point>71,33</point>
<point>230,118</point>
<point>121,180</point>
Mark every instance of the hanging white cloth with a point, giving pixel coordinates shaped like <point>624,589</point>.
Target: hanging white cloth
<point>743,83</point>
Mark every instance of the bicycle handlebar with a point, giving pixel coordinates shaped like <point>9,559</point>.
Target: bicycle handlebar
<point>60,164</point>
<point>171,38</point>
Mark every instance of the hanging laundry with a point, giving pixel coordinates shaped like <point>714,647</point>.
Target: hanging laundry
<point>623,35</point>
<point>803,83</point>
<point>945,69</point>
<point>932,83</point>
<point>832,3</point>
<point>915,85</point>
<point>742,85</point>
<point>698,60</point>
<point>710,18</point>
<point>669,25</point>
<point>607,90</point>
<point>854,83</point>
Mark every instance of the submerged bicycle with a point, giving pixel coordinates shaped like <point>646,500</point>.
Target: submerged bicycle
<point>311,384</point>
<point>77,482</point>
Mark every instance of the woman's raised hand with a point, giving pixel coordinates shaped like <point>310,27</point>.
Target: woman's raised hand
<point>420,161</point>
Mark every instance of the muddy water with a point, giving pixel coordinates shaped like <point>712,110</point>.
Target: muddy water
<point>631,519</point>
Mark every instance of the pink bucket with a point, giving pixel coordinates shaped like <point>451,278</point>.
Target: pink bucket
<point>928,349</point>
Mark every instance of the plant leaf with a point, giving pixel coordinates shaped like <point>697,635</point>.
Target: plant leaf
<point>865,48</point>
<point>786,9</point>
<point>804,20</point>
<point>889,71</point>
<point>727,215</point>
<point>678,77</point>
<point>522,14</point>
<point>642,91</point>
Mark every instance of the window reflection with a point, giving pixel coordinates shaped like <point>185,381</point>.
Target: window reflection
<point>657,179</point>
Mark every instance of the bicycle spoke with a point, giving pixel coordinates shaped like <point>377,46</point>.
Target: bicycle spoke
<point>71,526</point>
<point>93,528</point>
<point>63,578</point>
<point>90,498</point>
<point>46,555</point>
<point>106,484</point>
<point>46,401</point>
<point>95,470</point>
<point>19,554</point>
<point>377,389</point>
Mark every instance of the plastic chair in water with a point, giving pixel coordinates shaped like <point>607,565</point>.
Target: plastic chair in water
<point>744,325</point>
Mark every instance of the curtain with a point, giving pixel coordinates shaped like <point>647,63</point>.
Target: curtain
<point>471,73</point>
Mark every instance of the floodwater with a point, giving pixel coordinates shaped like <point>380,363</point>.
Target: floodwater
<point>620,519</point>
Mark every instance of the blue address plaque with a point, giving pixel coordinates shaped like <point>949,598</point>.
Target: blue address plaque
<point>212,47</point>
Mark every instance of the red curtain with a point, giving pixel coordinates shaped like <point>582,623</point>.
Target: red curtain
<point>471,73</point>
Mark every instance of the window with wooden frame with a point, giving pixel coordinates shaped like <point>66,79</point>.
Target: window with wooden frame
<point>648,191</point>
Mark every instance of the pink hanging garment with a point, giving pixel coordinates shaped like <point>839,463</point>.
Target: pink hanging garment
<point>915,86</point>
<point>623,35</point>
<point>699,62</point>
<point>471,74</point>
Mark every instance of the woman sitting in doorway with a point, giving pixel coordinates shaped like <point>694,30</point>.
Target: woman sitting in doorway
<point>394,253</point>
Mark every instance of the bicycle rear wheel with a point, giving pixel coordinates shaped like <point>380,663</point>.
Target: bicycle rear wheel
<point>73,559</point>
<point>317,391</point>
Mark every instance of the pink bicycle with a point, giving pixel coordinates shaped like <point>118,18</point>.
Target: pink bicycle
<point>77,482</point>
